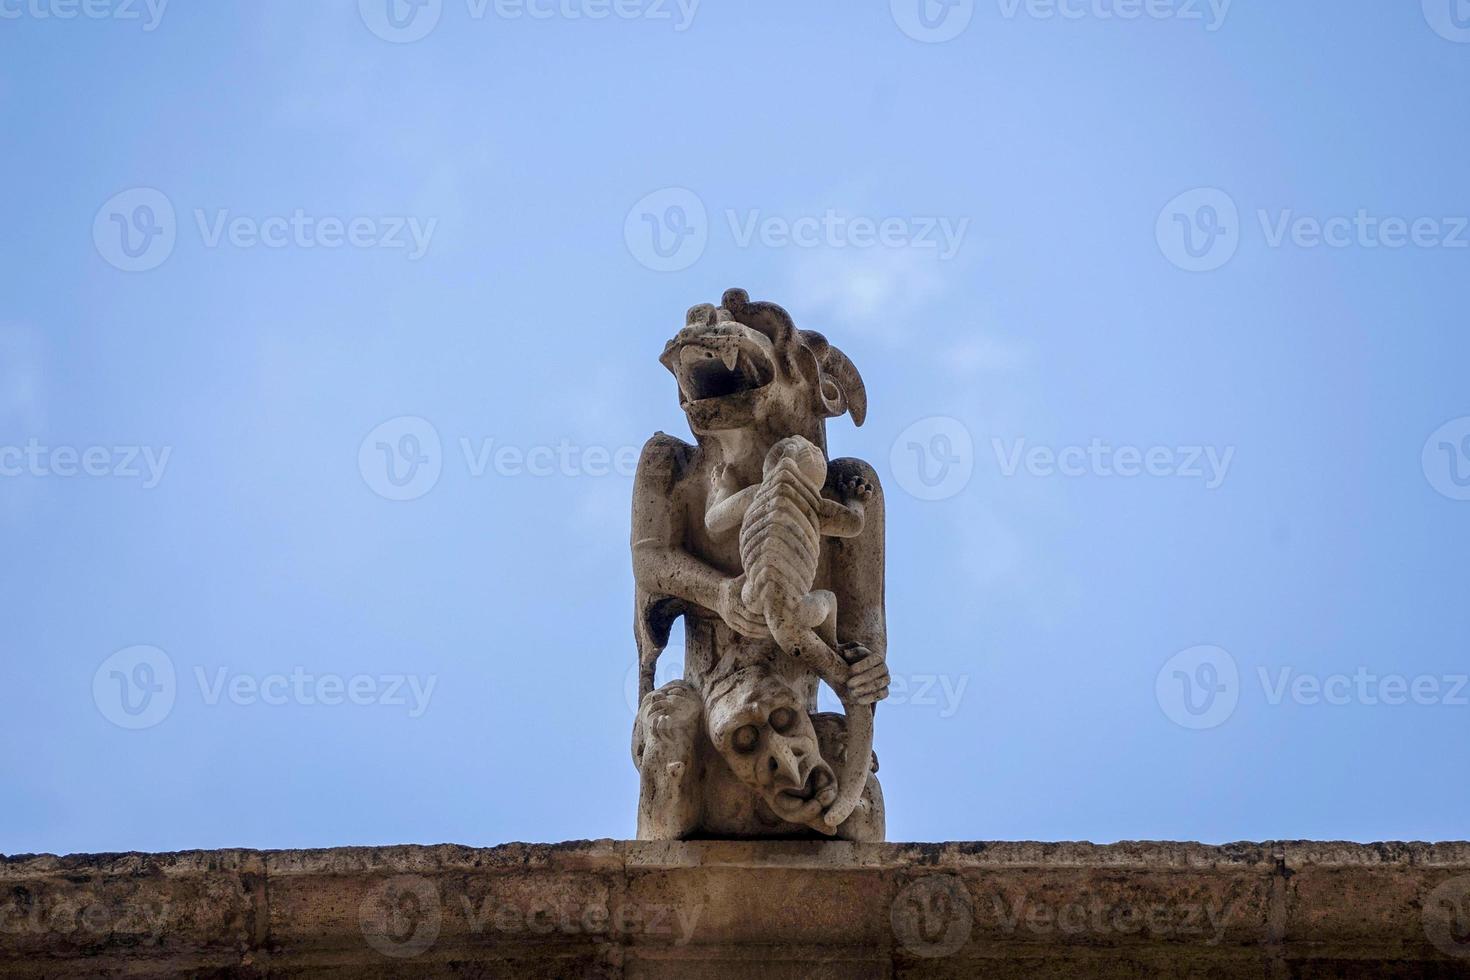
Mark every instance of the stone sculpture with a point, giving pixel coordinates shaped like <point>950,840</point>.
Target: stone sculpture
<point>774,557</point>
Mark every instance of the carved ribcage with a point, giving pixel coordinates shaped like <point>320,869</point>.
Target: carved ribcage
<point>779,538</point>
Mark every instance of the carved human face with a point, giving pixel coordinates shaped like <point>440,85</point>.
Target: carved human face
<point>766,737</point>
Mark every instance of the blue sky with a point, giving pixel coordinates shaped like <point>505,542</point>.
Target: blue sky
<point>255,253</point>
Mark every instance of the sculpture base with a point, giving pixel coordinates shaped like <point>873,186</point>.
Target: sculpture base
<point>745,909</point>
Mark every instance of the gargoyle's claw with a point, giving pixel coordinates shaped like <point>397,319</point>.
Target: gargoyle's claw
<point>856,488</point>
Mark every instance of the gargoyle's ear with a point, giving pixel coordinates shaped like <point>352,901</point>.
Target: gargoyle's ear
<point>839,386</point>
<point>840,369</point>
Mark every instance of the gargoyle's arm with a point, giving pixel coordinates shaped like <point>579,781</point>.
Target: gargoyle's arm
<point>661,565</point>
<point>840,520</point>
<point>856,566</point>
<point>727,513</point>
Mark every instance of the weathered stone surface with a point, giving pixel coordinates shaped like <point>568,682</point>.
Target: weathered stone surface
<point>741,909</point>
<point>773,555</point>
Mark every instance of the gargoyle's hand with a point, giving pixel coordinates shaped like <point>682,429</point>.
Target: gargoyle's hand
<point>855,490</point>
<point>868,682</point>
<point>670,708</point>
<point>737,615</point>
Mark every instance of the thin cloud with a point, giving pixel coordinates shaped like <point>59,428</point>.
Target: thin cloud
<point>985,355</point>
<point>879,291</point>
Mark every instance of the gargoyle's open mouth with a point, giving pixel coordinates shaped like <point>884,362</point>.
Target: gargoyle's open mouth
<point>820,786</point>
<point>720,360</point>
<point>706,374</point>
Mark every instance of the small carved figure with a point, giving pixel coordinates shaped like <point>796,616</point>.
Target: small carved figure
<point>782,520</point>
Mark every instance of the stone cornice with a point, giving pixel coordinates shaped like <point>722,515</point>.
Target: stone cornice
<point>725,908</point>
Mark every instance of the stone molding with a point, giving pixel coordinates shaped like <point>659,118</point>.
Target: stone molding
<point>735,909</point>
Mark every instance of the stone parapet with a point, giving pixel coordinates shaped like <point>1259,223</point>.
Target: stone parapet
<point>746,909</point>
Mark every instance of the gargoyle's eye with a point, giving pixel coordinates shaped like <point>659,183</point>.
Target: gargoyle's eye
<point>745,738</point>
<point>783,720</point>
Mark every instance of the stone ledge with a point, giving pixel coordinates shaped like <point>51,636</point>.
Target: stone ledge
<point>736,909</point>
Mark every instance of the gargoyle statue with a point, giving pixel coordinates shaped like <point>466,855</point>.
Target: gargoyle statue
<point>774,557</point>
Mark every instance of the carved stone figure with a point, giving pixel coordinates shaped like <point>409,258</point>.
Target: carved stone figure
<point>774,557</point>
